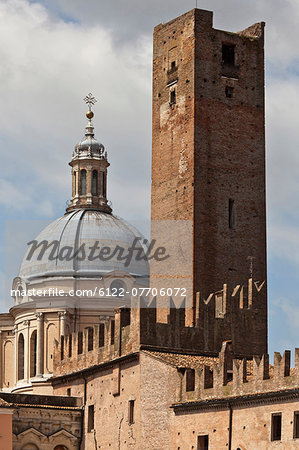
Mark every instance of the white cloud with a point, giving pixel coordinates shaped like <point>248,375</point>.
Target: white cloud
<point>46,70</point>
<point>290,309</point>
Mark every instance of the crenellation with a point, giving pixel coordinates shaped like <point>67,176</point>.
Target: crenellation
<point>139,326</point>
<point>257,377</point>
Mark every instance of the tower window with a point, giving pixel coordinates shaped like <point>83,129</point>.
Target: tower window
<point>231,213</point>
<point>296,424</point>
<point>75,182</point>
<point>172,97</point>
<point>276,427</point>
<point>95,182</point>
<point>90,425</point>
<point>131,411</point>
<point>228,54</point>
<point>229,92</point>
<point>68,392</point>
<point>203,442</point>
<point>173,66</point>
<point>83,182</point>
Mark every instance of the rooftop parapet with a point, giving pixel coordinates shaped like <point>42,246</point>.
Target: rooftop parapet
<point>229,314</point>
<point>231,377</point>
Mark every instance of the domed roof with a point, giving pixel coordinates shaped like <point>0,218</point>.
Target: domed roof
<point>88,146</point>
<point>64,247</point>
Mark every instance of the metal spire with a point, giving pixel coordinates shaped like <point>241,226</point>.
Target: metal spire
<point>90,100</point>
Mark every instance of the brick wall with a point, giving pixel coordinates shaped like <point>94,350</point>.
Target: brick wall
<point>209,149</point>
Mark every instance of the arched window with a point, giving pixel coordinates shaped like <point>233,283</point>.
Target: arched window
<point>83,182</point>
<point>61,447</point>
<point>104,185</point>
<point>94,182</point>
<point>30,447</point>
<point>20,292</point>
<point>33,342</point>
<point>21,347</point>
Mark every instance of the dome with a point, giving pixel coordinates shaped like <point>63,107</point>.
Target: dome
<point>89,147</point>
<point>64,248</point>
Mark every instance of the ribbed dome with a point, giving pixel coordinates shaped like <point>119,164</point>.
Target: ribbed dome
<point>89,147</point>
<point>78,229</point>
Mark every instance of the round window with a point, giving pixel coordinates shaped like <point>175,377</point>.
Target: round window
<point>117,289</point>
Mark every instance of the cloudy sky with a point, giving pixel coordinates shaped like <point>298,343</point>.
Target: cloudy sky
<point>54,52</point>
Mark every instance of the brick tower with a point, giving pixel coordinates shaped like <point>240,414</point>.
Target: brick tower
<point>208,158</point>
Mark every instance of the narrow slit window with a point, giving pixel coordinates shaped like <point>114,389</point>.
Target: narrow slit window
<point>101,335</point>
<point>90,425</point>
<point>229,92</point>
<point>231,213</point>
<point>172,97</point>
<point>276,427</point>
<point>68,392</point>
<point>131,411</point>
<point>83,182</point>
<point>296,424</point>
<point>112,331</point>
<point>70,346</point>
<point>228,54</point>
<point>90,339</point>
<point>173,66</point>
<point>62,348</point>
<point>80,343</point>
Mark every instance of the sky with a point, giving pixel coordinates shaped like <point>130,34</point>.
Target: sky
<point>55,52</point>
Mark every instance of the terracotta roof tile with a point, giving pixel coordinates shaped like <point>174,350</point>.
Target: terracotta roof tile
<point>183,360</point>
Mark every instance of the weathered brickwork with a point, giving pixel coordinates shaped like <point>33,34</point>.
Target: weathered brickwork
<point>234,311</point>
<point>108,389</point>
<point>190,374</point>
<point>208,160</point>
<point>43,422</point>
<point>229,377</point>
<point>249,428</point>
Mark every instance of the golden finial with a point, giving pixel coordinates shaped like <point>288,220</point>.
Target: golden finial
<point>89,114</point>
<point>90,101</point>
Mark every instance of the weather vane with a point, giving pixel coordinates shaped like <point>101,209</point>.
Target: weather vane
<point>90,100</point>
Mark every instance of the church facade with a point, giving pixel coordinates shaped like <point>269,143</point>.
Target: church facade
<point>110,372</point>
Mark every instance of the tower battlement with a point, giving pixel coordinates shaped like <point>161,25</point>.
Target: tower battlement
<point>230,377</point>
<point>234,309</point>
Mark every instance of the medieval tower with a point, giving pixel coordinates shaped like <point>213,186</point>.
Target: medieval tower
<point>208,160</point>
